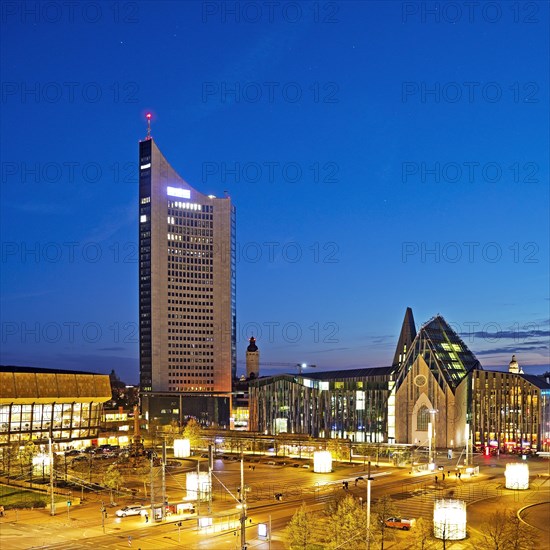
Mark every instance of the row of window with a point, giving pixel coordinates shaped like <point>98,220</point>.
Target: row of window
<point>194,332</point>
<point>174,215</point>
<point>189,302</point>
<point>180,204</point>
<point>195,339</point>
<point>179,233</point>
<point>195,288</point>
<point>191,368</point>
<point>198,354</point>
<point>191,346</point>
<point>191,388</point>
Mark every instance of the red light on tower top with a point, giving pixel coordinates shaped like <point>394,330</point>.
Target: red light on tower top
<point>148,116</point>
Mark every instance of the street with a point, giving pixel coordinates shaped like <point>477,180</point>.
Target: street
<point>413,495</point>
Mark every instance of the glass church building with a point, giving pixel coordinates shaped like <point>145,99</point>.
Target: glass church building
<point>435,383</point>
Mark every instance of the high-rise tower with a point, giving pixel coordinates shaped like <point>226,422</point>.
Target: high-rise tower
<point>187,312</point>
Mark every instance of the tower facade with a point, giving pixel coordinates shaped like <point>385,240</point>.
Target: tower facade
<point>187,283</point>
<point>252,359</point>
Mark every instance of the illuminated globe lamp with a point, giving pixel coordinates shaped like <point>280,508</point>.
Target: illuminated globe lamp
<point>182,448</point>
<point>322,462</point>
<point>449,519</point>
<point>517,476</point>
<point>197,485</point>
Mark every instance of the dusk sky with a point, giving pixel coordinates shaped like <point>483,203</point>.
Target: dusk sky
<point>380,155</point>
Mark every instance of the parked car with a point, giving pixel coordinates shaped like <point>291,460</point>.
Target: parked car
<point>135,510</point>
<point>72,452</point>
<point>400,523</point>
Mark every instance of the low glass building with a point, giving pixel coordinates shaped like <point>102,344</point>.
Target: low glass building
<point>35,403</point>
<point>337,404</point>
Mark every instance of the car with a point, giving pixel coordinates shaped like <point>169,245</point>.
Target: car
<point>80,457</point>
<point>270,463</point>
<point>306,466</point>
<point>400,523</point>
<point>135,510</point>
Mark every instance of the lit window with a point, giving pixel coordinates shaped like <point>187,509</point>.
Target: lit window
<point>143,218</point>
<point>177,192</point>
<point>422,419</point>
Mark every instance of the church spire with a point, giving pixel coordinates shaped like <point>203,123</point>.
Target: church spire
<point>406,337</point>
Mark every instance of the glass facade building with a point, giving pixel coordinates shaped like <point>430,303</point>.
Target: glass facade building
<point>37,403</point>
<point>337,404</point>
<point>510,411</point>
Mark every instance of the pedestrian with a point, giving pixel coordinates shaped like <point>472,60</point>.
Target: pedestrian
<point>436,479</point>
<point>458,475</point>
<point>443,476</point>
<point>1,511</point>
<point>146,518</point>
<point>449,473</point>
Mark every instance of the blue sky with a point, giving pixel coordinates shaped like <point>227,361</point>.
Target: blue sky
<point>380,156</point>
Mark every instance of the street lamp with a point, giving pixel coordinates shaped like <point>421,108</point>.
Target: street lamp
<point>369,479</point>
<point>431,440</point>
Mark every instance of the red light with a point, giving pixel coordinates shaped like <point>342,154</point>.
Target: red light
<point>148,116</point>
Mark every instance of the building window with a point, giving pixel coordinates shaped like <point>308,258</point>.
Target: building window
<point>422,419</point>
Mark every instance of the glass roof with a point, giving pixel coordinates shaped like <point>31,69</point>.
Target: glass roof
<point>443,351</point>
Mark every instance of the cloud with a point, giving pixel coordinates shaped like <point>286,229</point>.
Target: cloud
<point>114,220</point>
<point>506,334</point>
<point>511,349</point>
<point>330,350</point>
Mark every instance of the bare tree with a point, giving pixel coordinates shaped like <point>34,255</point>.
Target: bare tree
<point>494,531</point>
<point>381,511</point>
<point>504,530</point>
<point>520,536</point>
<point>421,537</point>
